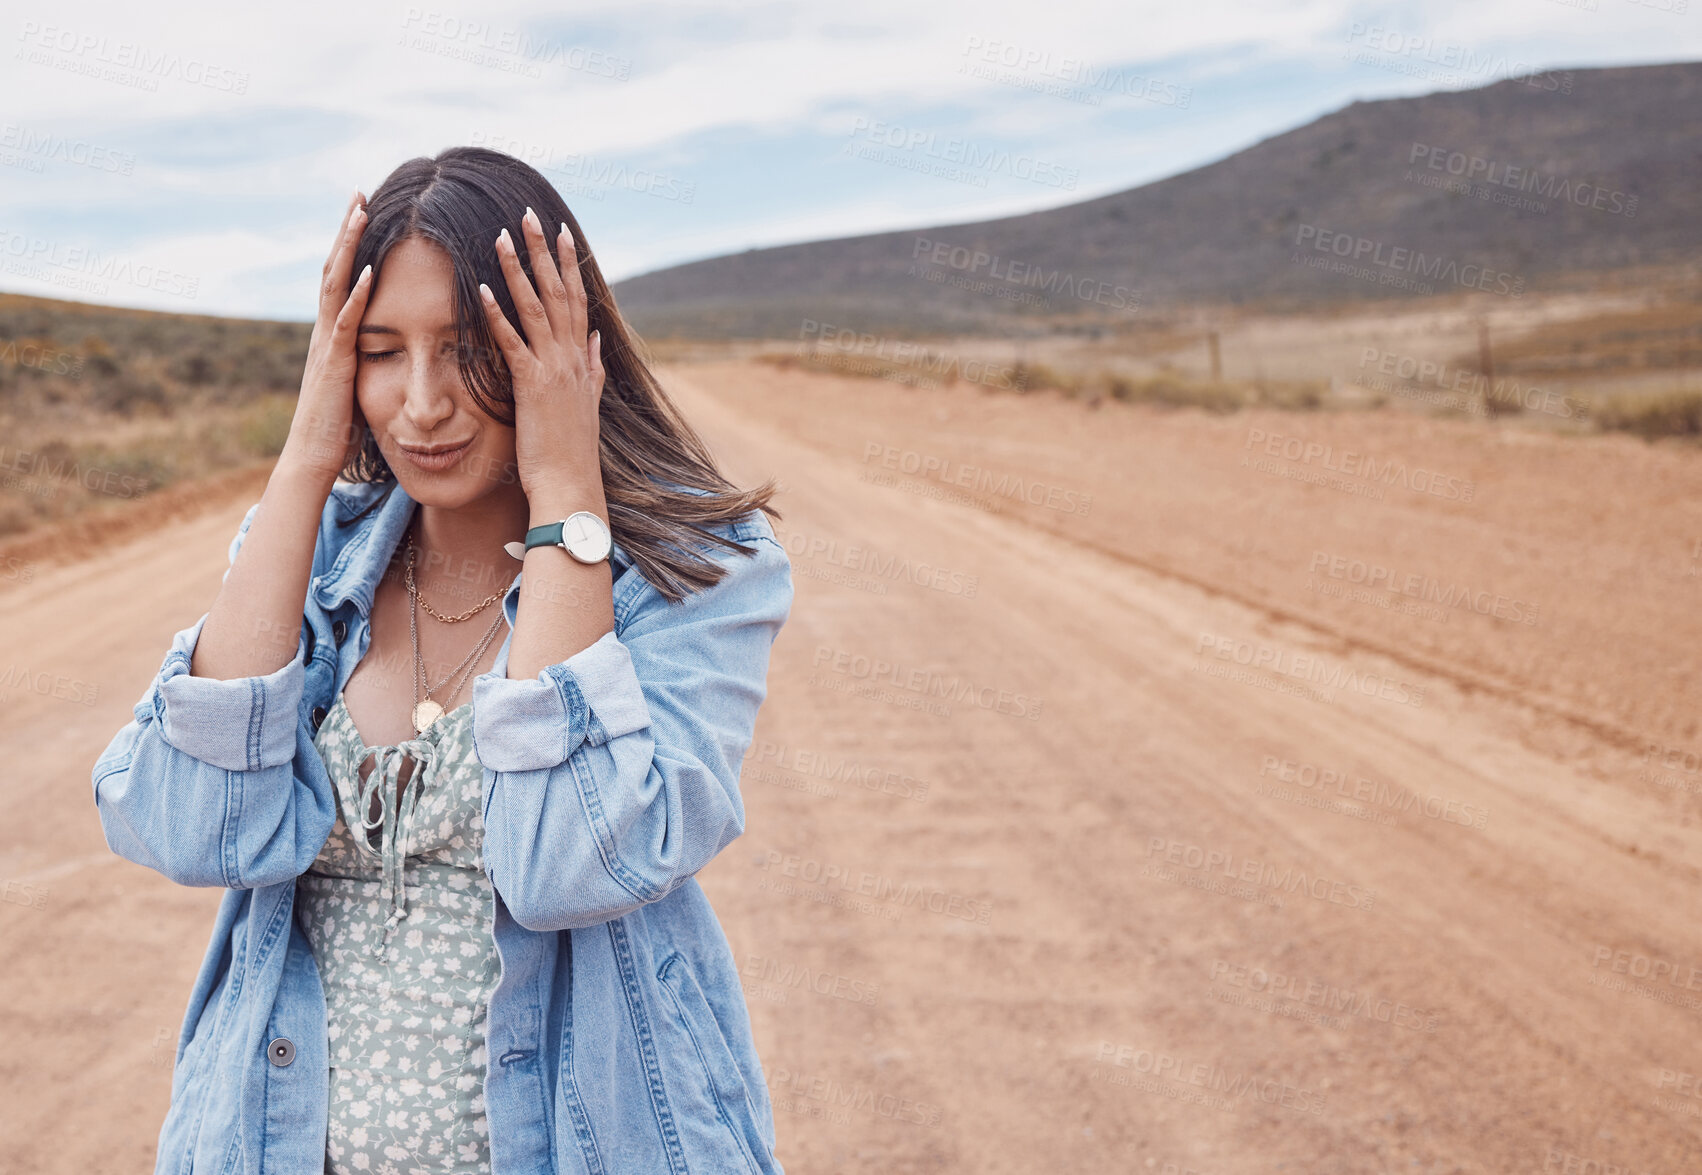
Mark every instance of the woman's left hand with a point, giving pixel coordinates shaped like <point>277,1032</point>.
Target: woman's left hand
<point>558,376</point>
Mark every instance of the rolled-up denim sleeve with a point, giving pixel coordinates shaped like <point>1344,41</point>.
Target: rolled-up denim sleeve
<point>238,724</point>
<point>613,776</point>
<point>200,784</point>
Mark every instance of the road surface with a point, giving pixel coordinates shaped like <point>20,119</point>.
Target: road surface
<point>1136,791</point>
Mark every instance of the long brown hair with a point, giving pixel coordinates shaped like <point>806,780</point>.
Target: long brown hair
<point>651,457</point>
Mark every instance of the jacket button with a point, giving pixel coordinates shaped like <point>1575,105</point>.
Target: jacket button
<point>318,717</point>
<point>281,1050</point>
<point>339,630</point>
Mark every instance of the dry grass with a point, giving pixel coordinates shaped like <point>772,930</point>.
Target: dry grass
<point>934,368</point>
<point>1665,337</point>
<point>1656,414</point>
<point>925,368</point>
<point>1175,390</point>
<point>100,405</point>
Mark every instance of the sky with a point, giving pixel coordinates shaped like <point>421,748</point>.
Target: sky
<point>197,157</point>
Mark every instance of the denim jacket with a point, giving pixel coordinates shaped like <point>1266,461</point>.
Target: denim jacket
<point>617,1036</point>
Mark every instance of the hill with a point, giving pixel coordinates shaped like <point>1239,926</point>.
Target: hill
<point>1528,183</point>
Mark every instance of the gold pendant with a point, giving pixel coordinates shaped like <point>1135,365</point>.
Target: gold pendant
<point>425,713</point>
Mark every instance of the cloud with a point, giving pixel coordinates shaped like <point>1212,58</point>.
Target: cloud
<point>244,130</point>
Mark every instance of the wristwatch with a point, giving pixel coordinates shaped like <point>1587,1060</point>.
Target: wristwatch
<point>581,534</point>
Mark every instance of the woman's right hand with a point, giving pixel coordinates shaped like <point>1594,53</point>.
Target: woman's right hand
<point>328,429</point>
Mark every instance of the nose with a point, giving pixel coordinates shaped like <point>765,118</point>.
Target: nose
<point>430,396</point>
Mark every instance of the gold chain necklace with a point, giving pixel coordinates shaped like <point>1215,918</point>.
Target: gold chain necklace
<point>427,710</point>
<point>471,612</point>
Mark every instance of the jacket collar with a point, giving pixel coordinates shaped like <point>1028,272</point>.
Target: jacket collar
<point>362,559</point>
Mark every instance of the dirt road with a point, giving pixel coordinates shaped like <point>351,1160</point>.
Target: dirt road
<point>1135,792</point>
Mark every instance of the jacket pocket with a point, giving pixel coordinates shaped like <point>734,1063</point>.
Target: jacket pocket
<point>205,1036</point>
<point>726,1084</point>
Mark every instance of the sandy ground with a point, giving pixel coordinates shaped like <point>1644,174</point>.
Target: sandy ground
<point>1201,849</point>
<point>1376,348</point>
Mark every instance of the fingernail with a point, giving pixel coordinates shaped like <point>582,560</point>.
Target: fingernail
<point>564,231</point>
<point>503,237</point>
<point>533,217</point>
<point>366,273</point>
<point>485,293</point>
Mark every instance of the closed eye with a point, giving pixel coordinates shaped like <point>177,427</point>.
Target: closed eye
<point>449,349</point>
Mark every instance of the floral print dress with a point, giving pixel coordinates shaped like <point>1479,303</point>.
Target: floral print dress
<point>400,920</point>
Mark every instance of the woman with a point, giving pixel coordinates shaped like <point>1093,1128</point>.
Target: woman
<point>461,929</point>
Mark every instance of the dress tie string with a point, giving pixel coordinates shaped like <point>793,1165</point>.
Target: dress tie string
<point>397,824</point>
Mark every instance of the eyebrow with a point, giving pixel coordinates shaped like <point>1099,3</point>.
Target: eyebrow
<point>368,329</point>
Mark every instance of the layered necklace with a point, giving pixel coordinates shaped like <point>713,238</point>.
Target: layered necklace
<point>426,709</point>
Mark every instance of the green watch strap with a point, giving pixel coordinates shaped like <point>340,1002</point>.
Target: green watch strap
<point>544,536</point>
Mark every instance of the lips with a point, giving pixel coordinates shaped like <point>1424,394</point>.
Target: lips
<point>439,457</point>
<point>435,450</point>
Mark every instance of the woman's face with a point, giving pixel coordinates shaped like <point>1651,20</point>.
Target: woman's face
<point>409,387</point>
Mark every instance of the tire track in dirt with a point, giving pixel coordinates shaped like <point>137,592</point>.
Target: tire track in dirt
<point>900,1031</point>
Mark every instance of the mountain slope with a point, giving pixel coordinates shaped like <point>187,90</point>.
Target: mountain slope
<point>1583,171</point>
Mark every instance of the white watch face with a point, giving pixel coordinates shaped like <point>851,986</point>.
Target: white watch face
<point>585,537</point>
